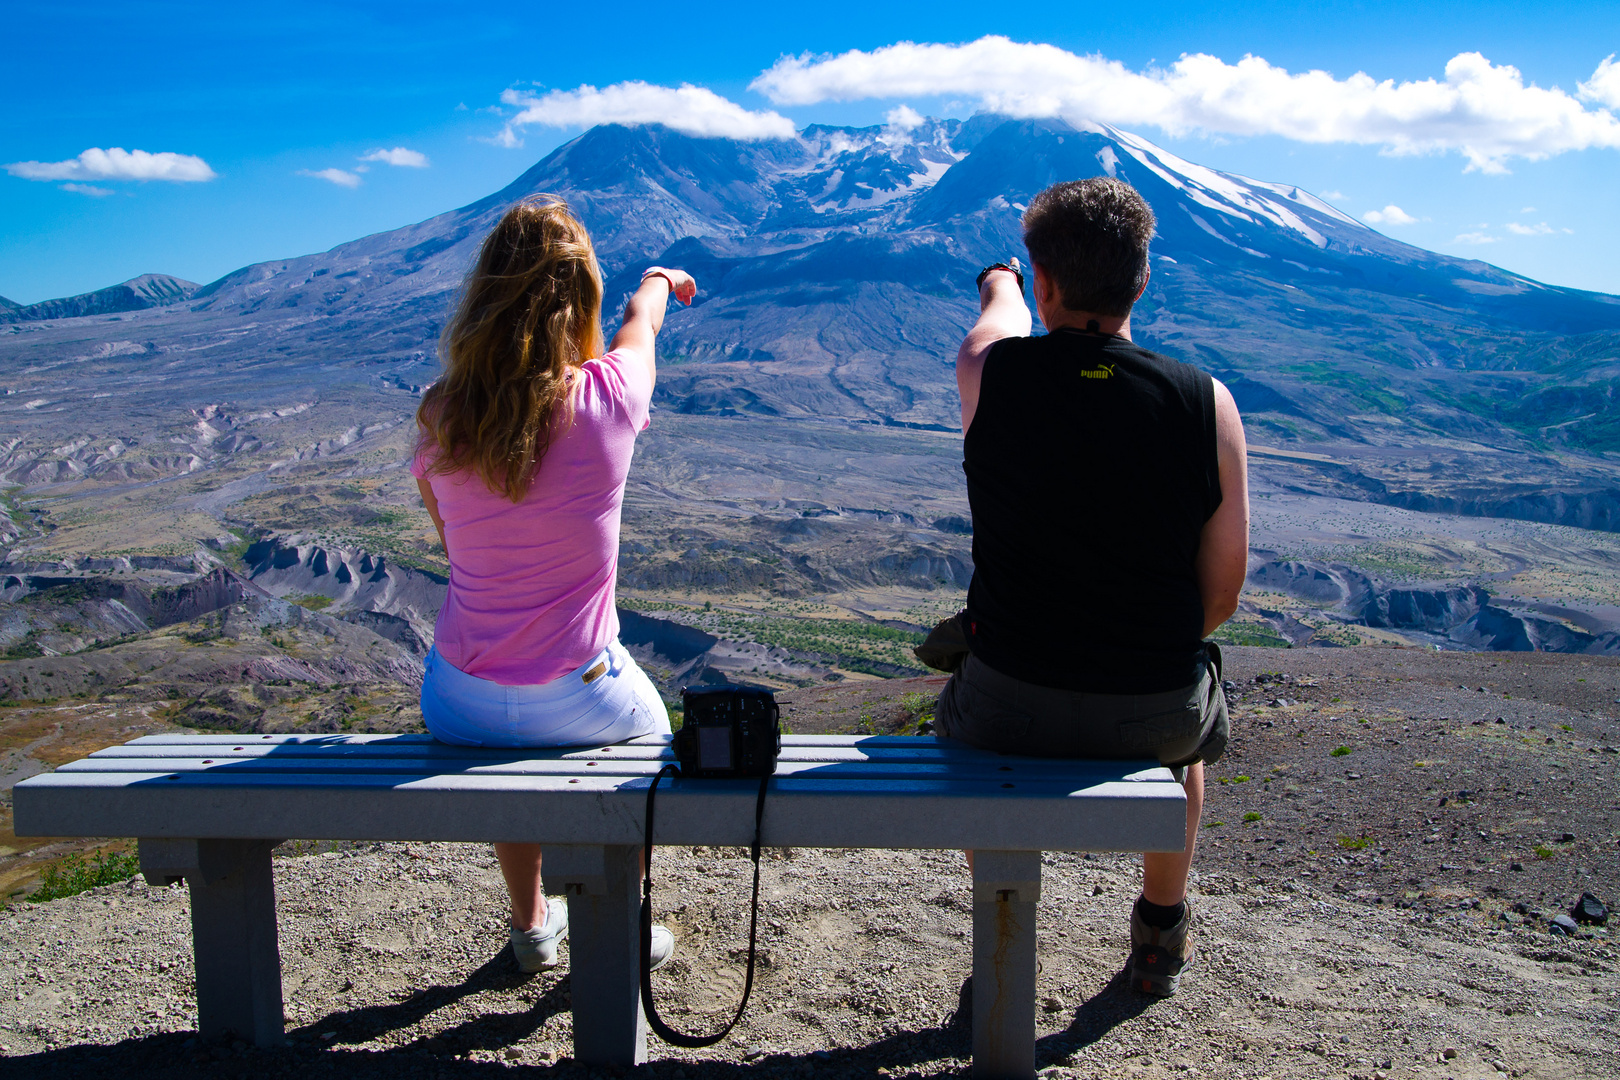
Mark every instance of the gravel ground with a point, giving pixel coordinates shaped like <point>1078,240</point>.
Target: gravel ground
<point>1317,959</point>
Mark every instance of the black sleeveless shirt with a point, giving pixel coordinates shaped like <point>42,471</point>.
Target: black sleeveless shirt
<point>1091,470</point>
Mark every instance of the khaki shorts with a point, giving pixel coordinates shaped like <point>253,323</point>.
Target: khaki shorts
<point>986,709</point>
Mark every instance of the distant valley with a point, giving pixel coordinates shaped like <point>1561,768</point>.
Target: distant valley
<point>1420,424</point>
<point>206,520</point>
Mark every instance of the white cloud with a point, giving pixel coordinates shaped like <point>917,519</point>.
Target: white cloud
<point>116,164</point>
<point>336,176</point>
<point>1529,230</point>
<point>90,190</point>
<point>1475,238</point>
<point>1604,86</point>
<point>1333,195</point>
<point>409,159</point>
<point>1389,215</point>
<point>1481,110</point>
<point>1528,210</point>
<point>903,117</point>
<point>694,110</point>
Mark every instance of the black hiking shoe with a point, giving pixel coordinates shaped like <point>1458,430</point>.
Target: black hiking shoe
<point>1158,957</point>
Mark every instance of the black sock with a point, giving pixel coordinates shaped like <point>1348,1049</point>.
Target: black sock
<point>1158,916</point>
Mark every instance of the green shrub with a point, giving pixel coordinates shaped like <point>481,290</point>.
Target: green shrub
<point>1256,634</point>
<point>1355,843</point>
<point>919,709</point>
<point>1339,751</point>
<point>1251,816</point>
<point>73,875</point>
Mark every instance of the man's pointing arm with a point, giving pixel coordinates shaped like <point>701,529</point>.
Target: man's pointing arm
<point>1002,314</point>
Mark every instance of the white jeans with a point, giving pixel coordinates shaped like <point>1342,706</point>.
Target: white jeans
<point>619,704</point>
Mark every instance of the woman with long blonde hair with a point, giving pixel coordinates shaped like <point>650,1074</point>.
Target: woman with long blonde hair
<point>522,455</point>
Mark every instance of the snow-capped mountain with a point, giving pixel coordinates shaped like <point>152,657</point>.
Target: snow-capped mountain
<point>836,275</point>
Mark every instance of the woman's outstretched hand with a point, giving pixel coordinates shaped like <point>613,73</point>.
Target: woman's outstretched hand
<point>644,314</point>
<point>681,284</point>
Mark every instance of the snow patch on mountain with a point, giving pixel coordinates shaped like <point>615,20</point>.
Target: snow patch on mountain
<point>1229,194</point>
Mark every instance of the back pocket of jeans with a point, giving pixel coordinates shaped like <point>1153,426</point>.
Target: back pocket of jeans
<point>987,722</point>
<point>1145,735</point>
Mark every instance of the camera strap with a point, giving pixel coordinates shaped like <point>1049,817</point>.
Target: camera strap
<point>663,1030</point>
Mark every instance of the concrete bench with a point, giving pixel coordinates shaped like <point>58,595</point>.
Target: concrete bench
<point>208,808</point>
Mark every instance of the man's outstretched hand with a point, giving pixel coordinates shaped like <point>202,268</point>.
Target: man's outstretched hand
<point>1002,314</point>
<point>1011,266</point>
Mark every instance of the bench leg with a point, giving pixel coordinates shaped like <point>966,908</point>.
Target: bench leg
<point>233,932</point>
<point>604,962</point>
<point>1006,888</point>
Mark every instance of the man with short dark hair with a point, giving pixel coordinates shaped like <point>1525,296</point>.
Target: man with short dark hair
<point>1110,530</point>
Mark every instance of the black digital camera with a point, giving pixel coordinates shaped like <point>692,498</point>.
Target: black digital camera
<point>729,731</point>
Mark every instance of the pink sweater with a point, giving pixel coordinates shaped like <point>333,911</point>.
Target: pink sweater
<point>531,583</point>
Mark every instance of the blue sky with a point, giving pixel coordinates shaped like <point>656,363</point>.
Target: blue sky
<point>255,103</point>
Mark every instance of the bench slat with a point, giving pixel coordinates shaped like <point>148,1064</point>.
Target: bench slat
<point>459,753</point>
<point>428,740</point>
<point>455,754</point>
<point>652,748</point>
<point>1018,769</point>
<point>1113,815</point>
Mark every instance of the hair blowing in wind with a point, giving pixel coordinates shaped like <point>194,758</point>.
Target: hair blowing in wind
<point>530,313</point>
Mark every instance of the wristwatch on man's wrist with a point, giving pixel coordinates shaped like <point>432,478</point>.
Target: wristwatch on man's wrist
<point>1011,265</point>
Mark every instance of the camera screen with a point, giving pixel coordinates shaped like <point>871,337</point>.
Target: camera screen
<point>714,747</point>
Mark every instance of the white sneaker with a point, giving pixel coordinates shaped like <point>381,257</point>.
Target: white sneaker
<point>536,949</point>
<point>663,947</point>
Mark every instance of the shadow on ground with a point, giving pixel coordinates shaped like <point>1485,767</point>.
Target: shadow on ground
<point>183,1055</point>
<point>1111,1006</point>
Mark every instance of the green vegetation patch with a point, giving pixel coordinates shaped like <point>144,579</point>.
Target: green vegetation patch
<point>868,647</point>
<point>310,601</point>
<point>1339,751</point>
<point>26,649</point>
<point>919,709</point>
<point>1260,634</point>
<point>73,875</point>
